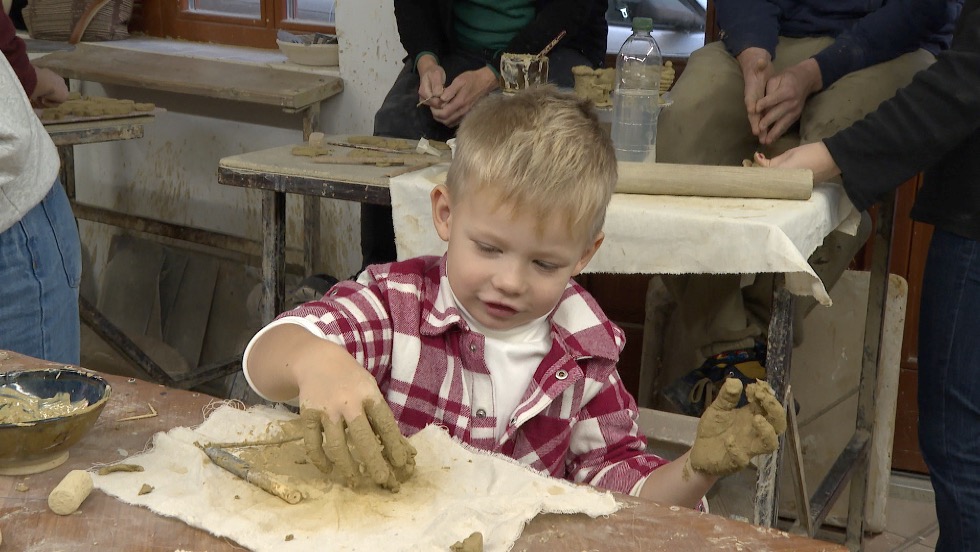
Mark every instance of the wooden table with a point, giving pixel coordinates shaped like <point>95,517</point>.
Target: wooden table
<point>108,524</point>
<point>276,171</point>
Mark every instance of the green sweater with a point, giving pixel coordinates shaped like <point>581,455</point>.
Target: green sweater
<point>489,24</point>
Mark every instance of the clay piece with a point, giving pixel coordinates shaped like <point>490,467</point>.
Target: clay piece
<point>106,470</point>
<point>93,106</point>
<point>310,151</point>
<point>729,437</point>
<point>666,77</point>
<point>594,84</point>
<point>472,543</point>
<point>69,494</point>
<point>145,489</point>
<point>754,162</point>
<point>19,407</point>
<point>520,71</point>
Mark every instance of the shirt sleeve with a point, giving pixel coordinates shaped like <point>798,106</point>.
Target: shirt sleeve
<point>748,24</point>
<point>419,28</point>
<point>896,28</point>
<point>920,125</point>
<point>15,51</point>
<point>607,449</point>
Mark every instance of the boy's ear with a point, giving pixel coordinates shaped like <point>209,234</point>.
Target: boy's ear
<point>441,211</point>
<point>587,255</point>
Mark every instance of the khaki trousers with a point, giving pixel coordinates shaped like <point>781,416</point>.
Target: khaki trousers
<point>708,124</point>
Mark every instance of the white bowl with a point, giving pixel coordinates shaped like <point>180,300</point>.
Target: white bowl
<point>322,55</point>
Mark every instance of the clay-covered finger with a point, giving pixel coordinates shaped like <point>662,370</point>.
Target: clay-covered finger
<point>737,454</point>
<point>336,449</point>
<point>396,448</point>
<point>368,448</point>
<point>761,395</point>
<point>313,439</point>
<point>729,395</point>
<point>766,440</point>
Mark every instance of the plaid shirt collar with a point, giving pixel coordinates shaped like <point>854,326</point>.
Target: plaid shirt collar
<point>440,315</point>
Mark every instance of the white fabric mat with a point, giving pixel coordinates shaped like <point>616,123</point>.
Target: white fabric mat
<point>673,234</point>
<point>455,492</point>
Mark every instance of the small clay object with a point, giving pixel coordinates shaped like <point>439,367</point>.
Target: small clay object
<point>310,151</point>
<point>145,489</point>
<point>69,494</point>
<point>472,543</point>
<point>22,487</point>
<point>106,470</point>
<point>316,139</point>
<point>289,537</point>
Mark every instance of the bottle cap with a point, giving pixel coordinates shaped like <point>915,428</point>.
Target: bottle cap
<point>642,24</point>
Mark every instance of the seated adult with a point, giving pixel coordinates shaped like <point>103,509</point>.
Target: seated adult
<point>785,72</point>
<point>454,49</point>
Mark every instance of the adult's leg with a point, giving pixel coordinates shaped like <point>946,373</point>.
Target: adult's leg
<point>707,123</point>
<point>40,267</point>
<point>855,95</point>
<point>949,386</point>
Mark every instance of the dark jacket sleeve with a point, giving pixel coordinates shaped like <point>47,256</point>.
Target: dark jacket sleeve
<point>15,51</point>
<point>920,125</point>
<point>748,24</point>
<point>420,27</point>
<point>896,28</point>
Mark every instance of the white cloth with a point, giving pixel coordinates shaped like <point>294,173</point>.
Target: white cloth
<point>455,492</point>
<point>673,234</point>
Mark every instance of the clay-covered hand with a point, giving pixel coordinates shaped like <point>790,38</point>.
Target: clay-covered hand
<point>814,156</point>
<point>786,94</point>
<point>462,94</point>
<point>728,437</point>
<point>347,424</point>
<point>756,65</point>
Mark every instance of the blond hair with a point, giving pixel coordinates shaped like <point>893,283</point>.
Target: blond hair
<point>540,150</point>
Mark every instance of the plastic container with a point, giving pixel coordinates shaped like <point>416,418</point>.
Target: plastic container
<point>636,95</point>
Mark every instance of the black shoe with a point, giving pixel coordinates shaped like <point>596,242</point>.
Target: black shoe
<point>692,393</point>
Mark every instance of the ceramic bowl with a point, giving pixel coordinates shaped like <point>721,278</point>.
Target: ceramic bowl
<point>39,445</point>
<point>321,55</point>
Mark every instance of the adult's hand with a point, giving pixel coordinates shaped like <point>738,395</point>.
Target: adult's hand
<point>344,417</point>
<point>756,64</point>
<point>786,94</point>
<point>728,437</point>
<point>814,156</point>
<point>432,79</point>
<point>462,94</point>
<point>50,89</point>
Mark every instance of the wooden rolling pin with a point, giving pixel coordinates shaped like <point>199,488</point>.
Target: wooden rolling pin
<point>714,181</point>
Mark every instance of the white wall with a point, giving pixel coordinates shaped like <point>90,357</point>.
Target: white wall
<point>170,173</point>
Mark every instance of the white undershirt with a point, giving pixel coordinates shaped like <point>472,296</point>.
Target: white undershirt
<point>511,356</point>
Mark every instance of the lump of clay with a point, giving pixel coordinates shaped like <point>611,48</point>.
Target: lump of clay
<point>69,494</point>
<point>93,106</point>
<point>594,84</point>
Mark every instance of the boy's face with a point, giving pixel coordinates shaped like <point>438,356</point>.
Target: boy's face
<point>505,266</point>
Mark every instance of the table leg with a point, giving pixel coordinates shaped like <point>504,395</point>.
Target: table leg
<point>273,254</point>
<point>67,172</point>
<point>778,360</point>
<point>311,204</point>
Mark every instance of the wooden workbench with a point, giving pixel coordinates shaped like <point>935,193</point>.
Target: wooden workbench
<point>108,524</point>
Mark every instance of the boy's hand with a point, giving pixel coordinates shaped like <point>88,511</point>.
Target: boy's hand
<point>346,421</point>
<point>728,437</point>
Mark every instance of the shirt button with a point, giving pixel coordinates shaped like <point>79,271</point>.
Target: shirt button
<point>561,374</point>
<point>472,348</point>
<point>481,413</point>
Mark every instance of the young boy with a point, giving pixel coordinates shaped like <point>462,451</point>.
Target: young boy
<point>494,340</point>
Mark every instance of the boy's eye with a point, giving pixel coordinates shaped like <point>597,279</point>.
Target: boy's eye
<point>486,248</point>
<point>546,266</point>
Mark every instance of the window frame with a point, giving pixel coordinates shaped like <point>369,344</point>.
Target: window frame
<point>172,19</point>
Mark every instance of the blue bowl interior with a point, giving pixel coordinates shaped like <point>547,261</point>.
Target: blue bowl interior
<point>48,383</point>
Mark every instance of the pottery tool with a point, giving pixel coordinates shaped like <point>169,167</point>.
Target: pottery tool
<point>363,147</point>
<point>385,160</point>
<point>426,101</point>
<point>551,45</point>
<point>261,479</point>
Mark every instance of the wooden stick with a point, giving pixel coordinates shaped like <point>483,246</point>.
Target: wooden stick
<point>551,44</point>
<point>714,181</point>
<point>152,414</point>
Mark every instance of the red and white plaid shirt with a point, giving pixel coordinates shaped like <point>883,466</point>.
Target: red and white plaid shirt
<point>575,421</point>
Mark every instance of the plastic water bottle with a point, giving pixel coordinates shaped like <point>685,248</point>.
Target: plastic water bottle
<point>635,98</point>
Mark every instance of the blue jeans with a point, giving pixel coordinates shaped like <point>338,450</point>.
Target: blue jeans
<point>949,386</point>
<point>40,269</point>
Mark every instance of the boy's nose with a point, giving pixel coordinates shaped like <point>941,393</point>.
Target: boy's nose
<point>509,279</point>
